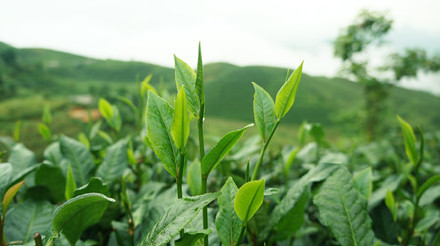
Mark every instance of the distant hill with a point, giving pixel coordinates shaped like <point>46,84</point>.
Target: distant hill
<point>334,102</point>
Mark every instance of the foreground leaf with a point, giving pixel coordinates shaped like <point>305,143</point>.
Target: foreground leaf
<point>105,108</point>
<point>77,214</point>
<point>70,184</point>
<point>5,177</point>
<point>186,76</point>
<point>191,238</point>
<point>78,155</point>
<point>216,154</point>
<point>21,158</point>
<point>363,181</point>
<point>249,199</point>
<point>95,185</point>
<point>181,213</point>
<point>180,124</point>
<point>344,210</point>
<point>52,177</point>
<point>430,182</point>
<point>293,220</point>
<point>264,112</point>
<point>193,178</point>
<point>409,140</point>
<point>7,198</point>
<point>115,162</point>
<point>227,222</point>
<point>158,120</point>
<point>286,95</point>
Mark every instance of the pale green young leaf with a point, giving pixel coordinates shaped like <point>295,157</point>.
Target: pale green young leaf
<point>9,195</point>
<point>363,182</point>
<point>115,162</point>
<point>105,108</point>
<point>180,214</point>
<point>409,141</point>
<point>186,76</point>
<point>249,199</point>
<point>70,183</point>
<point>430,182</point>
<point>391,204</point>
<point>115,122</point>
<point>145,85</point>
<point>286,95</point>
<point>344,210</point>
<point>159,118</point>
<point>84,140</point>
<point>17,130</point>
<point>78,213</point>
<point>264,112</point>
<point>47,116</point>
<point>79,156</point>
<point>194,178</point>
<point>181,120</point>
<point>44,131</point>
<point>216,154</point>
<point>200,84</point>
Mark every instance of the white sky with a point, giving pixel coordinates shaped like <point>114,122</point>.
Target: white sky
<point>246,32</point>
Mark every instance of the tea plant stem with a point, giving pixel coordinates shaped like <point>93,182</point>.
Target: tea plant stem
<point>179,181</point>
<point>204,180</point>
<point>205,209</point>
<point>242,232</point>
<point>2,235</point>
<point>265,144</point>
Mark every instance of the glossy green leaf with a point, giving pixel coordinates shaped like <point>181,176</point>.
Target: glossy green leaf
<point>158,120</point>
<point>5,177</point>
<point>200,84</point>
<point>26,218</point>
<point>44,131</point>
<point>52,177</point>
<point>191,238</point>
<point>286,95</point>
<point>194,178</point>
<point>77,155</point>
<point>391,204</point>
<point>47,116</point>
<point>77,214</point>
<point>409,140</point>
<point>294,194</point>
<point>105,108</point>
<point>180,214</point>
<point>293,220</point>
<point>181,120</point>
<point>227,222</point>
<point>216,154</point>
<point>20,159</point>
<point>344,210</point>
<point>95,185</point>
<point>248,199</point>
<point>430,182</point>
<point>17,130</point>
<point>264,112</point>
<point>9,195</point>
<point>186,76</point>
<point>363,182</point>
<point>115,162</point>
<point>70,184</point>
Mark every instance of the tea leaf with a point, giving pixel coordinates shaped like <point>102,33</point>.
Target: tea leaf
<point>105,108</point>
<point>286,95</point>
<point>20,158</point>
<point>409,140</point>
<point>78,155</point>
<point>186,76</point>
<point>52,177</point>
<point>115,162</point>
<point>200,84</point>
<point>216,154</point>
<point>264,112</point>
<point>249,199</point>
<point>293,220</point>
<point>10,193</point>
<point>344,210</point>
<point>391,204</point>
<point>17,130</point>
<point>180,124</point>
<point>191,238</point>
<point>158,120</point>
<point>5,177</point>
<point>363,181</point>
<point>430,182</point>
<point>47,117</point>
<point>95,185</point>
<point>70,184</point>
<point>194,178</point>
<point>44,131</point>
<point>77,214</point>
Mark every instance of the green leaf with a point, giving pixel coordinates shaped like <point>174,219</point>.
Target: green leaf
<point>363,182</point>
<point>286,95</point>
<point>249,199</point>
<point>409,140</point>
<point>391,183</point>
<point>194,178</point>
<point>264,112</point>
<point>52,177</point>
<point>106,109</point>
<point>77,214</point>
<point>180,214</point>
<point>180,124</point>
<point>344,210</point>
<point>5,177</point>
<point>294,194</point>
<point>84,140</point>
<point>186,76</point>
<point>10,193</point>
<point>26,218</point>
<point>44,131</point>
<point>227,222</point>
<point>129,103</point>
<point>216,154</point>
<point>191,238</point>
<point>158,120</point>
<point>293,220</point>
<point>47,117</point>
<point>430,182</point>
<point>70,184</point>
<point>78,155</point>
<point>145,86</point>
<point>115,162</point>
<point>200,84</point>
<point>20,159</point>
<point>115,121</point>
<point>17,130</point>
<point>391,204</point>
<point>95,185</point>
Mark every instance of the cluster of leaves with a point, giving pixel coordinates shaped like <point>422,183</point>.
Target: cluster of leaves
<point>107,188</point>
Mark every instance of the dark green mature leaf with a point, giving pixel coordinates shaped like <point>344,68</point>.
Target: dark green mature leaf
<point>286,95</point>
<point>409,140</point>
<point>227,222</point>
<point>26,218</point>
<point>181,213</point>
<point>115,162</point>
<point>194,178</point>
<point>77,155</point>
<point>95,185</point>
<point>248,199</point>
<point>430,182</point>
<point>158,120</point>
<point>70,183</point>
<point>293,221</point>
<point>9,195</point>
<point>363,181</point>
<point>77,214</point>
<point>181,120</point>
<point>5,177</point>
<point>216,154</point>
<point>264,112</point>
<point>186,76</point>
<point>20,159</point>
<point>52,177</point>
<point>294,193</point>
<point>344,210</point>
<point>200,84</point>
<point>191,238</point>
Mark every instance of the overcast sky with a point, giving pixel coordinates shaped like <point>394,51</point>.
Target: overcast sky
<point>246,32</point>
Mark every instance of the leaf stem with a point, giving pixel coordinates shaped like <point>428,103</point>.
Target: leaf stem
<point>179,180</point>
<point>2,235</point>
<point>265,144</point>
<point>205,209</point>
<point>242,233</point>
<point>204,179</point>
